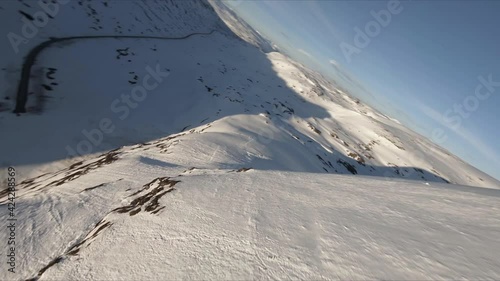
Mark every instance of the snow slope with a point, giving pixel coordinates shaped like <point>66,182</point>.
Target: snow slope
<point>142,214</point>
<point>236,163</point>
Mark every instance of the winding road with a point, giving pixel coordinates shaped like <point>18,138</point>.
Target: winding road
<point>29,61</point>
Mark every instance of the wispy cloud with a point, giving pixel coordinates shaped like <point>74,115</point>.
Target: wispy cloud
<point>304,52</point>
<point>334,63</point>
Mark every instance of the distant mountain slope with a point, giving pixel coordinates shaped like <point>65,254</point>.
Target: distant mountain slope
<point>240,28</point>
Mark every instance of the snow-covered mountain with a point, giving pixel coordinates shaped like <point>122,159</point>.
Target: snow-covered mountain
<point>205,153</point>
<point>217,80</point>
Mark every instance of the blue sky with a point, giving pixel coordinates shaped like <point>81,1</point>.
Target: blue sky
<point>421,66</point>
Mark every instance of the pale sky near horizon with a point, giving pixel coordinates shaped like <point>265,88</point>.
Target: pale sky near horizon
<point>421,66</point>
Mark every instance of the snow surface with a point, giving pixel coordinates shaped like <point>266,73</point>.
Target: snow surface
<point>282,174</point>
<point>224,224</point>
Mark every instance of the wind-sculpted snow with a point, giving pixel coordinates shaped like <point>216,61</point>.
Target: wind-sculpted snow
<point>224,224</point>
